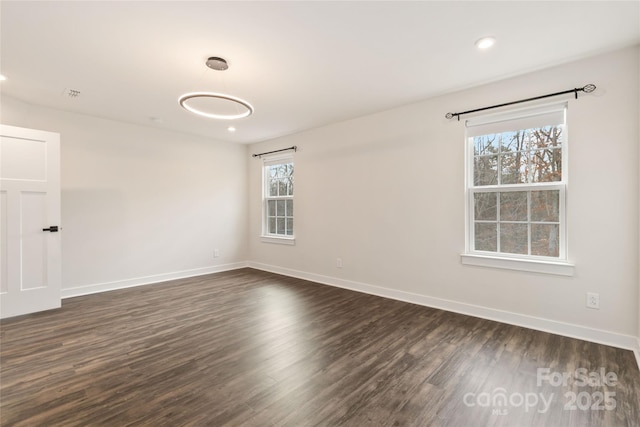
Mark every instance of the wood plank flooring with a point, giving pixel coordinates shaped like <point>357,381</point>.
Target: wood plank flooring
<point>249,348</point>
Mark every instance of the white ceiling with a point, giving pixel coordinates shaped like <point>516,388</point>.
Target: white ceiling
<point>301,64</point>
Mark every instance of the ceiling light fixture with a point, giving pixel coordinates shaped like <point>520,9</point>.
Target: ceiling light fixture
<point>2,78</point>
<point>231,129</point>
<point>218,64</point>
<point>485,42</point>
<point>203,96</point>
<point>216,105</point>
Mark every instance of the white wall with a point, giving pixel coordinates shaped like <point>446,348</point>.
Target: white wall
<point>141,204</point>
<point>385,193</point>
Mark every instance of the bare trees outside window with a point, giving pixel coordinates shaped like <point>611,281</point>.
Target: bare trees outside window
<point>278,198</point>
<point>517,189</point>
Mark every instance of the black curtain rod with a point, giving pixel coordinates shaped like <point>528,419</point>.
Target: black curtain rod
<point>586,89</point>
<point>294,148</point>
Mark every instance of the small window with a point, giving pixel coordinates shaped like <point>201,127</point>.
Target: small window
<point>278,198</point>
<point>516,185</point>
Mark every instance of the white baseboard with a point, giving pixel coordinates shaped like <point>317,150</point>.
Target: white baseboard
<point>613,339</point>
<point>147,280</point>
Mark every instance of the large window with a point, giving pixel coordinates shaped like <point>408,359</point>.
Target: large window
<point>278,198</point>
<point>516,185</point>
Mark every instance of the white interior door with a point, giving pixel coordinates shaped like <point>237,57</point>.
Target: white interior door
<point>30,262</point>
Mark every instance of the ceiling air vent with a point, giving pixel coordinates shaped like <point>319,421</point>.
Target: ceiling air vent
<point>71,93</point>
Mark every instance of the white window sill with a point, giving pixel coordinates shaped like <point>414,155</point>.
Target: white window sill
<point>560,268</point>
<point>278,240</point>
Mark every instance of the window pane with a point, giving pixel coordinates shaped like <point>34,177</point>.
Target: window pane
<point>273,171</point>
<point>271,208</point>
<point>272,226</point>
<point>546,165</point>
<point>280,226</point>
<point>281,187</point>
<point>290,226</point>
<point>514,167</point>
<point>273,188</point>
<point>544,240</point>
<point>545,205</point>
<point>280,208</point>
<point>485,206</point>
<point>485,170</point>
<point>513,238</point>
<point>513,206</point>
<point>485,144</point>
<point>486,237</point>
<point>511,142</point>
<point>546,137</point>
<point>289,208</point>
<point>290,186</point>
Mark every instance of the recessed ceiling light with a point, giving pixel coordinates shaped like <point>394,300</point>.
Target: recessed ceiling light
<point>231,129</point>
<point>485,42</point>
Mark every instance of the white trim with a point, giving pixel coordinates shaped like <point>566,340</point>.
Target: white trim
<point>147,280</point>
<point>636,351</point>
<point>599,336</point>
<point>279,240</point>
<point>536,266</point>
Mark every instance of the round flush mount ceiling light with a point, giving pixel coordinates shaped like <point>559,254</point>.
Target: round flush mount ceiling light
<point>216,105</point>
<point>485,42</point>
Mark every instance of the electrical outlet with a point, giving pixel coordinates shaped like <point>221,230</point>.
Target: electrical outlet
<point>216,253</point>
<point>593,300</point>
<point>339,262</point>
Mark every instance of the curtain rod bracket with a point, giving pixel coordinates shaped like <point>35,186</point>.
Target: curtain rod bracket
<point>586,89</point>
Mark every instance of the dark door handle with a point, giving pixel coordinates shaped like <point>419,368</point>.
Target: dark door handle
<point>53,229</point>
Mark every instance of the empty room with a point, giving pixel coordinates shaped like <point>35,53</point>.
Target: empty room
<point>329,213</point>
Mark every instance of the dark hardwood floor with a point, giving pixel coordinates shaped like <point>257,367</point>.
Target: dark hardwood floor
<point>249,348</point>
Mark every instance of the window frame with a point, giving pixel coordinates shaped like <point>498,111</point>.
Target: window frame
<point>265,235</point>
<point>523,262</point>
